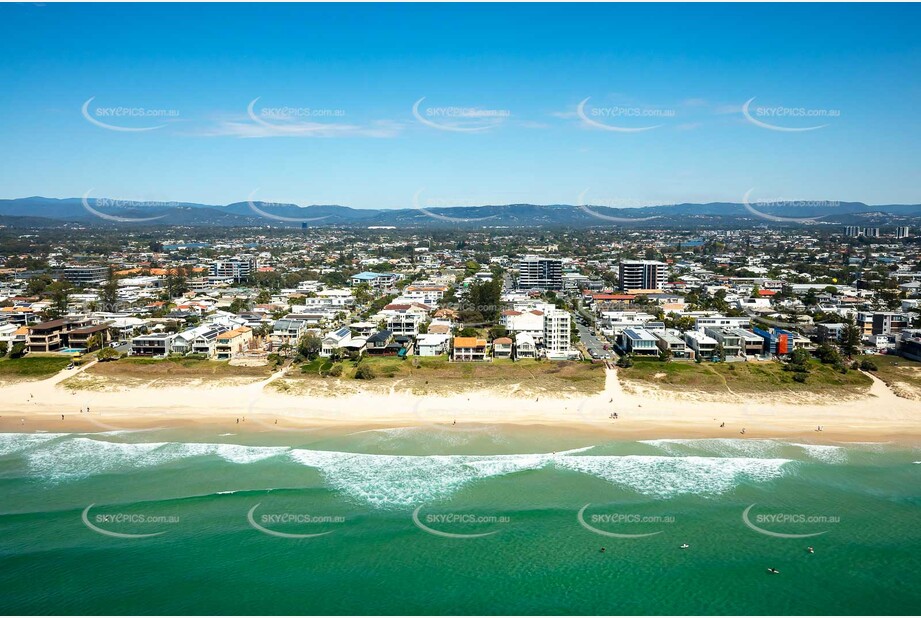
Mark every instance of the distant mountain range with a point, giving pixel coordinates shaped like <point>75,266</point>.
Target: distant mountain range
<point>41,211</point>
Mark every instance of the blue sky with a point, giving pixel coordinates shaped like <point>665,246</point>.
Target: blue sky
<point>336,86</point>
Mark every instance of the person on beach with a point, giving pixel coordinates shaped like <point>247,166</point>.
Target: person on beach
<point>723,424</point>
<point>743,431</point>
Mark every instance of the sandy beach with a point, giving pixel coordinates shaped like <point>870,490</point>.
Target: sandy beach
<point>645,414</point>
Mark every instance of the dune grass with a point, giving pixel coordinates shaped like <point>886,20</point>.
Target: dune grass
<point>762,377</point>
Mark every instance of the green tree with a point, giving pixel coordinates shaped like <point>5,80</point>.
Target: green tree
<point>850,338</point>
<point>108,294</point>
<point>59,292</point>
<point>107,354</point>
<point>309,346</point>
<point>364,372</point>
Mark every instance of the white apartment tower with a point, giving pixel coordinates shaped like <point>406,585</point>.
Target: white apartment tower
<point>556,330</point>
<point>641,274</point>
<point>541,273</point>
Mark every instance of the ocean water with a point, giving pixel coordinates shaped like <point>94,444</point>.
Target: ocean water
<point>454,520</point>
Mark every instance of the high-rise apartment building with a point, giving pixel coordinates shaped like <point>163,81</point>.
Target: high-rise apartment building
<point>641,274</point>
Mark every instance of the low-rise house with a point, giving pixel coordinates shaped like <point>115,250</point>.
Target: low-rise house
<point>731,342</point>
<point>53,335</point>
<point>154,344</point>
<point>432,344</point>
<point>525,346</point>
<point>334,340</point>
<point>378,281</point>
<point>639,342</point>
<point>381,344</point>
<point>502,347</point>
<point>468,349</point>
<point>702,345</point>
<point>287,331</point>
<point>670,340</point>
<point>830,332</point>
<point>233,343</point>
<point>101,334</point>
<point>752,343</point>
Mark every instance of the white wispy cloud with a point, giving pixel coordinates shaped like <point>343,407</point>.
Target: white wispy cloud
<point>246,128</point>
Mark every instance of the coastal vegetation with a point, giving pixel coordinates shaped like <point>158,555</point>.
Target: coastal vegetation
<point>427,375</point>
<point>32,367</point>
<point>806,376</point>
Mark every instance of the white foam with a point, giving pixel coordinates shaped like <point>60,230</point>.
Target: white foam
<point>82,457</point>
<point>665,477</point>
<point>824,452</point>
<point>16,442</point>
<point>405,480</point>
<point>733,447</point>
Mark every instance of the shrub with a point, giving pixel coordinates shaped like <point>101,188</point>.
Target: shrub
<point>336,370</point>
<point>364,372</point>
<point>625,361</point>
<point>19,349</point>
<point>868,365</point>
<point>107,354</point>
<point>800,377</point>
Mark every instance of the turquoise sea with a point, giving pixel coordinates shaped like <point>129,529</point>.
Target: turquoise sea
<point>453,520</point>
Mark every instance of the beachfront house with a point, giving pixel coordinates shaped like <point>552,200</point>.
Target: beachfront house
<point>53,335</point>
<point>731,342</point>
<point>287,331</point>
<point>639,342</point>
<point>99,334</point>
<point>525,347</point>
<point>702,345</point>
<point>670,340</point>
<point>197,340</point>
<point>502,347</point>
<point>232,343</point>
<point>432,344</point>
<point>468,349</point>
<point>334,340</point>
<point>156,344</point>
<point>381,344</point>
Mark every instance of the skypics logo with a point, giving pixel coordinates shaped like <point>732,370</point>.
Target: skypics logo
<point>122,205</point>
<point>294,120</point>
<point>612,203</point>
<point>459,119</point>
<point>290,518</point>
<point>612,118</point>
<point>759,115</point>
<point>425,208</point>
<point>268,215</point>
<point>457,519</point>
<point>124,116</point>
<point>795,204</point>
<point>781,519</point>
<point>618,518</point>
<point>121,518</point>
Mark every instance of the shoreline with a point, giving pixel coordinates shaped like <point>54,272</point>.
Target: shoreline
<point>879,416</point>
